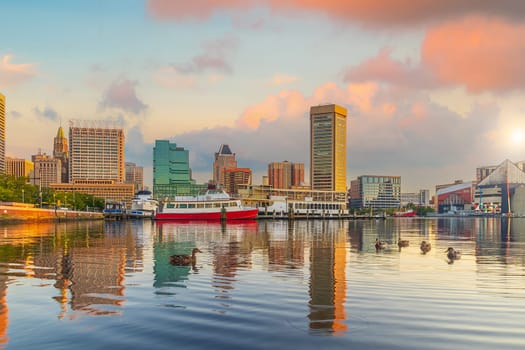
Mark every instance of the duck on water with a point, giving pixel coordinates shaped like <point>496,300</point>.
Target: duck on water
<point>184,259</point>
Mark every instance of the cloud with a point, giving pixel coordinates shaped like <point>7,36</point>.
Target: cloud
<point>121,94</point>
<point>12,74</point>
<point>383,68</point>
<point>214,57</point>
<point>483,54</point>
<point>385,13</point>
<point>47,113</point>
<point>470,53</point>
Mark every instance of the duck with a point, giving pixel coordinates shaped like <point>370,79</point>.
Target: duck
<point>453,254</point>
<point>185,260</point>
<point>380,244</point>
<point>425,247</point>
<point>402,243</point>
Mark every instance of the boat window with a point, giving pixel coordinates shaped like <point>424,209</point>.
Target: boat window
<point>183,205</point>
<point>200,205</point>
<point>208,205</point>
<point>216,205</point>
<point>191,205</point>
<point>170,205</point>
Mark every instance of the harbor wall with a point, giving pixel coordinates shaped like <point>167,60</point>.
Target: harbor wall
<point>12,213</point>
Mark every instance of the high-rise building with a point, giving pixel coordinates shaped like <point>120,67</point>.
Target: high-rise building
<point>223,159</point>
<point>96,161</point>
<point>328,148</point>
<point>61,151</point>
<point>233,177</point>
<point>135,176</point>
<point>47,170</point>
<point>171,171</point>
<point>96,151</point>
<point>2,134</point>
<point>18,167</point>
<point>285,174</point>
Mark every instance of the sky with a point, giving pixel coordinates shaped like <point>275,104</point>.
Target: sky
<point>433,89</point>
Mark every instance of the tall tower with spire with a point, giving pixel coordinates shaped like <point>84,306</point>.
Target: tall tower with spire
<point>61,151</point>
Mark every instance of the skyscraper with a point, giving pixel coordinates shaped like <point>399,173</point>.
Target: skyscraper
<point>223,159</point>
<point>61,151</point>
<point>328,148</point>
<point>2,134</point>
<point>233,177</point>
<point>171,171</point>
<point>96,151</point>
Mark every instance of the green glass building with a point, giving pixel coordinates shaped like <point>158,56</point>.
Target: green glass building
<point>171,171</point>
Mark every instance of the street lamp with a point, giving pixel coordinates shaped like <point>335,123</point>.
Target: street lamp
<point>23,197</point>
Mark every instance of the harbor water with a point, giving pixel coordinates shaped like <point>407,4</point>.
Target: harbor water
<point>271,284</point>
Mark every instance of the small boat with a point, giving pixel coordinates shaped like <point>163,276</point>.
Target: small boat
<point>212,205</point>
<point>143,205</point>
<point>114,210</point>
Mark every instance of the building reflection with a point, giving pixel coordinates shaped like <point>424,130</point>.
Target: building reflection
<point>327,277</point>
<point>87,261</point>
<point>4,310</point>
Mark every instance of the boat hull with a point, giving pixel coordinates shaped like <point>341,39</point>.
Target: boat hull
<point>216,215</point>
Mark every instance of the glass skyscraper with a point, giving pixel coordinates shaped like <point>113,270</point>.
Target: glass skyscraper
<point>171,171</point>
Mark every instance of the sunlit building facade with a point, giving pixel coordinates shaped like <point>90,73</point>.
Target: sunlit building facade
<point>328,147</point>
<point>233,177</point>
<point>2,134</point>
<point>96,150</point>
<point>18,167</point>
<point>285,174</point>
<point>61,151</point>
<point>47,170</point>
<point>375,192</point>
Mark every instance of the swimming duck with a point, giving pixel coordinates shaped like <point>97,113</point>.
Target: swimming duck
<point>425,247</point>
<point>380,244</point>
<point>185,259</point>
<point>453,254</point>
<point>402,243</point>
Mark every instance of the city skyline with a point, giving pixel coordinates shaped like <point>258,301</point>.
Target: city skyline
<point>432,92</point>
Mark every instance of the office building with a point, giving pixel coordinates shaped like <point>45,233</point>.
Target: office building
<point>47,170</point>
<point>18,167</point>
<point>375,192</point>
<point>96,161</point>
<point>96,151</point>
<point>285,174</point>
<point>135,176</point>
<point>61,151</point>
<point>233,177</point>
<point>2,134</point>
<point>171,171</point>
<point>223,159</point>
<point>328,148</point>
<point>421,198</point>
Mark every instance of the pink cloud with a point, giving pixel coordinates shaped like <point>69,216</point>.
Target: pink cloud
<point>121,94</point>
<point>215,56</point>
<point>12,74</point>
<point>480,53</point>
<point>377,13</point>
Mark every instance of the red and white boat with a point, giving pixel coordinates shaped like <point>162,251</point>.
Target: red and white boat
<point>213,205</point>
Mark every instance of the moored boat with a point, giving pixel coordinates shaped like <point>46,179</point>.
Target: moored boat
<point>143,205</point>
<point>213,205</point>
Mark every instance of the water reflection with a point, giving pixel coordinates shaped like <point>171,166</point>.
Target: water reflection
<point>318,276</point>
